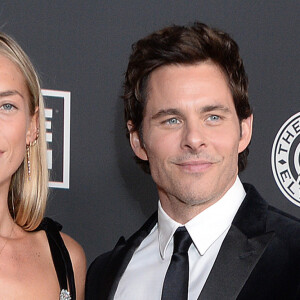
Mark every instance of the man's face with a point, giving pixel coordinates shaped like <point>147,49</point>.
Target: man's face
<point>191,134</point>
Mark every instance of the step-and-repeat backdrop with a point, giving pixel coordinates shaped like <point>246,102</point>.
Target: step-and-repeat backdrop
<point>81,49</point>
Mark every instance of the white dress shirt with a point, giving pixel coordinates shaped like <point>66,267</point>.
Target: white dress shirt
<point>143,279</point>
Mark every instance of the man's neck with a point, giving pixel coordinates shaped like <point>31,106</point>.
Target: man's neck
<point>182,212</point>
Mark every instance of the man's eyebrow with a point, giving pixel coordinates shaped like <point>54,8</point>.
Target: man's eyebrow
<point>205,109</point>
<point>166,112</point>
<point>209,108</point>
<point>10,93</point>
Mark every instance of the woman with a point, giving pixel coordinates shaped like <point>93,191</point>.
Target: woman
<point>34,257</point>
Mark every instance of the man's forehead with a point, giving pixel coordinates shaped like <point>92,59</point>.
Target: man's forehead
<point>177,83</point>
<point>176,66</point>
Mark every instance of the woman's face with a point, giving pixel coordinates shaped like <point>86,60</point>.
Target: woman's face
<point>17,127</point>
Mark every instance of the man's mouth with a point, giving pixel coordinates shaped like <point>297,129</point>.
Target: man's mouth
<point>195,166</point>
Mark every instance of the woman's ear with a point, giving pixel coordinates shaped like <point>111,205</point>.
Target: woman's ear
<point>33,128</point>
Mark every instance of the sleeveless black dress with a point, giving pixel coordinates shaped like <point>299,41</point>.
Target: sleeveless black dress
<point>61,258</point>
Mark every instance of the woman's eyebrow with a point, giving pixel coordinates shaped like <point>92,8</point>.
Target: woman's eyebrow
<point>10,93</point>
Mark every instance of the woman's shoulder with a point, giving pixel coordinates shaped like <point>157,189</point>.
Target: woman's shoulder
<point>75,251</point>
<point>78,261</point>
<point>50,226</point>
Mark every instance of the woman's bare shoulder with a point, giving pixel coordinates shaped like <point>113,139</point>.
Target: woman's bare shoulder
<point>79,263</point>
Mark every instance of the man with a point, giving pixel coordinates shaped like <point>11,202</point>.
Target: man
<point>190,123</point>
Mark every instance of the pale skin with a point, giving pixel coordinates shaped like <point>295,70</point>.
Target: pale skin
<point>191,137</point>
<point>26,266</point>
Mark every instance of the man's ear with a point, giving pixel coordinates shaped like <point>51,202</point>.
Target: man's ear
<point>136,143</point>
<point>246,133</point>
<point>33,128</point>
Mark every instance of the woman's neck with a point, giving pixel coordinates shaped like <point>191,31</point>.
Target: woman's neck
<point>6,221</point>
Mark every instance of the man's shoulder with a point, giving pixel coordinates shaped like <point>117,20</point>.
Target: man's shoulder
<point>286,225</point>
<point>107,266</point>
<point>99,262</point>
<point>283,216</point>
<point>96,274</point>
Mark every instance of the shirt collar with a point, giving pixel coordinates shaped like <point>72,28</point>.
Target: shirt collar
<point>207,226</point>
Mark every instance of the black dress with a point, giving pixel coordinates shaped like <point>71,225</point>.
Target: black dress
<point>61,258</point>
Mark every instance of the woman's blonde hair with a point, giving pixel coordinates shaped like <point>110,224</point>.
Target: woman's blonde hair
<point>27,196</point>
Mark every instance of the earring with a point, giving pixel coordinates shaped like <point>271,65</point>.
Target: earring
<point>28,160</point>
<point>28,152</point>
<point>37,136</point>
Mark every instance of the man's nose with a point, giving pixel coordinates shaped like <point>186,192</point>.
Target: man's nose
<point>193,136</point>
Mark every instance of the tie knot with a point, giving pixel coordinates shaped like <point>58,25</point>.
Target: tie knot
<point>182,240</point>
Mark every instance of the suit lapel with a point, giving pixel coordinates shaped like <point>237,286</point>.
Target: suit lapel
<point>242,248</point>
<point>235,262</point>
<point>121,256</point>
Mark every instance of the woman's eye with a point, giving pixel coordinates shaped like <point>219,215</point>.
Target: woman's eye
<point>7,106</point>
<point>172,121</point>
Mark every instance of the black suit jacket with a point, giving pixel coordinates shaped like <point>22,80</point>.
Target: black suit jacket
<point>259,257</point>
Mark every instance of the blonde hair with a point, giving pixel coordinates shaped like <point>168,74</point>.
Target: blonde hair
<point>27,197</point>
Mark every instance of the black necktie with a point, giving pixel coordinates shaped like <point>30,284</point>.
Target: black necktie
<point>177,276</point>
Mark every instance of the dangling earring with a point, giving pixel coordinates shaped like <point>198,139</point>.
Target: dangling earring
<point>37,136</point>
<point>28,153</point>
<point>28,160</point>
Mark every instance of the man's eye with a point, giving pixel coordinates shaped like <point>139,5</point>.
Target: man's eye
<point>7,106</point>
<point>172,121</point>
<point>214,118</point>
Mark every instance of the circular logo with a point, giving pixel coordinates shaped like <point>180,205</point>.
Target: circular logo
<point>285,159</point>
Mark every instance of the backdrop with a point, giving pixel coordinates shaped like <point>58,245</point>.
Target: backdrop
<point>81,49</point>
